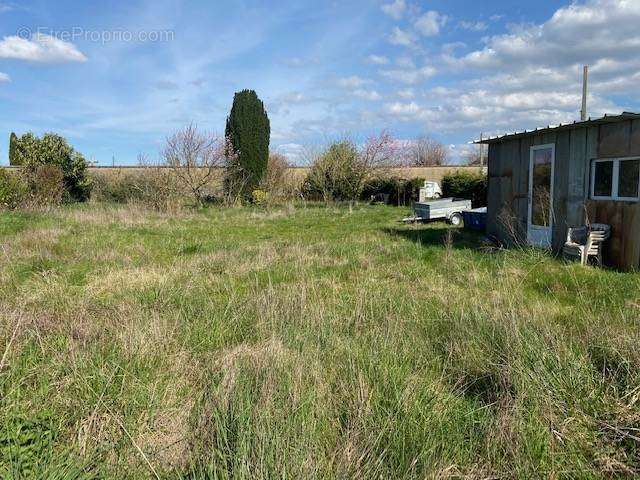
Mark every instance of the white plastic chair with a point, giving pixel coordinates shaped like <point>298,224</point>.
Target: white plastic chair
<point>585,242</point>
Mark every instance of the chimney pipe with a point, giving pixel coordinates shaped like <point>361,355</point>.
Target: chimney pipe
<point>585,82</point>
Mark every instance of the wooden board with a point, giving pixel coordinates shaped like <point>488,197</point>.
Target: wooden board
<point>622,250</point>
<point>494,160</point>
<point>521,193</point>
<point>578,163</point>
<point>635,138</point>
<point>561,188</point>
<point>591,154</point>
<point>614,139</point>
<point>632,242</point>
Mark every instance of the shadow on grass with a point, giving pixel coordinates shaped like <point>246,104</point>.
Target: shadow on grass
<point>437,234</point>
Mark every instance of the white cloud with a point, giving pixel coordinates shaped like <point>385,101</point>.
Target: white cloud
<point>406,93</point>
<point>478,26</point>
<point>295,152</point>
<point>355,85</point>
<point>402,37</point>
<point>352,82</point>
<point>539,69</point>
<point>395,9</point>
<point>440,91</point>
<point>410,76</point>
<point>4,77</point>
<point>400,109</point>
<point>429,23</point>
<point>295,97</point>
<point>285,102</point>
<point>367,94</point>
<point>405,62</point>
<point>576,34</point>
<point>41,48</point>
<point>377,59</point>
<point>493,111</point>
<point>528,77</point>
<point>450,48</point>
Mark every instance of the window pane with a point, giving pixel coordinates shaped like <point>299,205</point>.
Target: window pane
<point>603,179</point>
<point>629,178</point>
<point>541,194</point>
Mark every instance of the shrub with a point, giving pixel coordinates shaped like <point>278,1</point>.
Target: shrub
<point>470,186</point>
<point>46,186</point>
<point>159,189</point>
<point>411,191</point>
<point>259,197</point>
<point>341,172</point>
<point>115,187</point>
<point>248,132</point>
<point>13,190</point>
<point>393,190</point>
<point>338,174</point>
<point>381,189</point>
<point>32,152</point>
<point>153,187</point>
<point>278,181</point>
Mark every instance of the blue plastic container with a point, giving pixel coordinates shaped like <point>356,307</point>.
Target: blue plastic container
<point>475,219</point>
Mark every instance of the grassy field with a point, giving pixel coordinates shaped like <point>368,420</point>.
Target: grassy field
<point>306,342</point>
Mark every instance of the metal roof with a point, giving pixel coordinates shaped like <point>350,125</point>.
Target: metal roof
<point>566,126</point>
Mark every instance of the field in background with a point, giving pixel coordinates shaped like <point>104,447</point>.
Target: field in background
<point>303,342</point>
<point>298,174</point>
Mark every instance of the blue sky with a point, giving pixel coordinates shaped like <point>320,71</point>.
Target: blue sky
<point>117,77</point>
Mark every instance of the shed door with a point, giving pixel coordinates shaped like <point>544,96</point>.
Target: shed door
<point>541,168</point>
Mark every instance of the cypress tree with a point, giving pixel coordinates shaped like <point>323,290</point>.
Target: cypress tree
<point>13,153</point>
<point>248,132</point>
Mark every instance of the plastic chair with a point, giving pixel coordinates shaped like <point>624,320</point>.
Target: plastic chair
<point>585,242</point>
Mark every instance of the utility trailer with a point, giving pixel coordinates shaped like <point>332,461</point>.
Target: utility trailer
<point>449,209</point>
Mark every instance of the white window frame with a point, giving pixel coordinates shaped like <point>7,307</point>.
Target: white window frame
<point>615,183</point>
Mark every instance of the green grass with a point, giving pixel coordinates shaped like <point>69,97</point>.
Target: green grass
<point>306,342</point>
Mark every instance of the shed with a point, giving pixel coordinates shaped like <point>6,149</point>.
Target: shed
<point>543,181</point>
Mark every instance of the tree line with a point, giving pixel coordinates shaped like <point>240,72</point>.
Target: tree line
<point>192,154</point>
<point>339,171</point>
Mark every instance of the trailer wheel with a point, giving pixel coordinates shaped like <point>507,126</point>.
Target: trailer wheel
<point>455,219</point>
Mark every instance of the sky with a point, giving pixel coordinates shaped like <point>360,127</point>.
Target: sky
<point>117,77</point>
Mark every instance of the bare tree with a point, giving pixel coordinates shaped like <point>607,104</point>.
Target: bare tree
<point>194,157</point>
<point>476,156</point>
<point>427,152</point>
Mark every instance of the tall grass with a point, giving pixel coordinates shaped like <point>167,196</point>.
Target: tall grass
<point>306,342</point>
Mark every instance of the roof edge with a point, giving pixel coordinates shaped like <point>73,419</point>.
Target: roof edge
<point>566,126</point>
